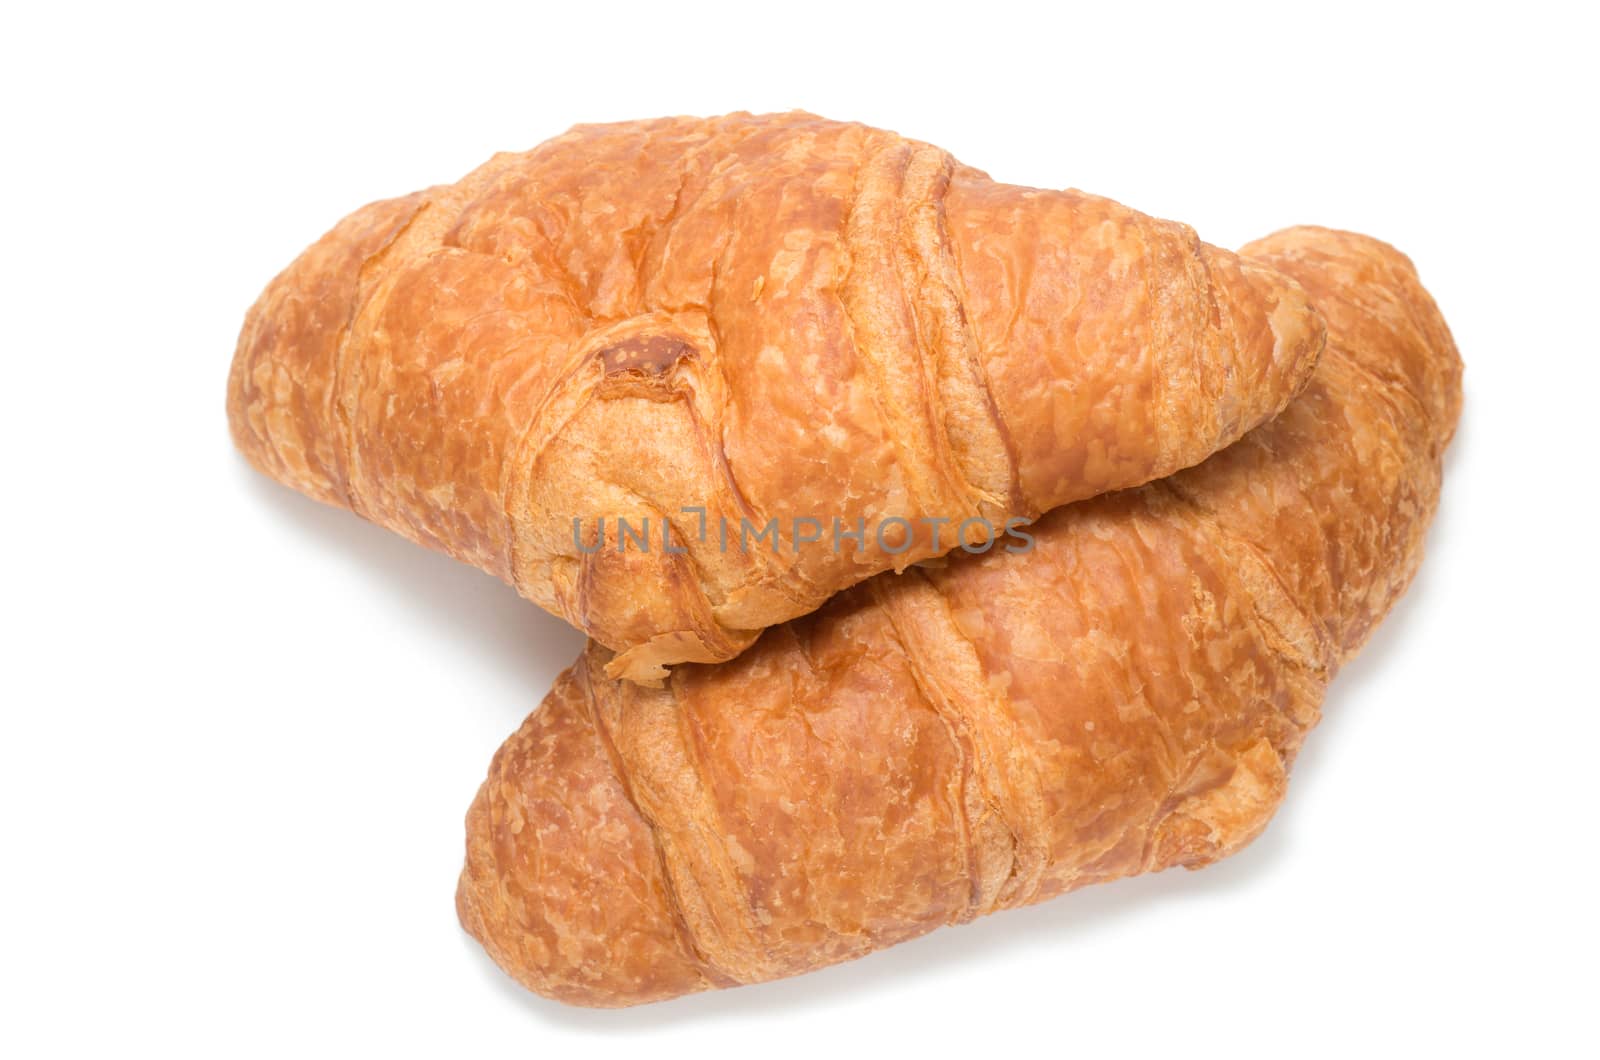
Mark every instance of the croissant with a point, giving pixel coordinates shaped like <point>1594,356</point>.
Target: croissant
<point>941,744</point>
<point>680,380</point>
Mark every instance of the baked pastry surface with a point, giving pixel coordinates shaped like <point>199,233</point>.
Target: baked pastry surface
<point>937,745</point>
<point>744,320</point>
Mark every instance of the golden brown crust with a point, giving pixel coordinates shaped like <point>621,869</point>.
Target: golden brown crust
<point>929,747</point>
<point>774,317</point>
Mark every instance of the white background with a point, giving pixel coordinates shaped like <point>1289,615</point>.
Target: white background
<point>240,730</point>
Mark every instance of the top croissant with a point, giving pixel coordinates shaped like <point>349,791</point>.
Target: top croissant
<point>680,380</point>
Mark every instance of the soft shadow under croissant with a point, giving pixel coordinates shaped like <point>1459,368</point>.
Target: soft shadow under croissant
<point>934,746</point>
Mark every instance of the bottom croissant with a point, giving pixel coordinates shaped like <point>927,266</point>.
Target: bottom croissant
<point>938,745</point>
